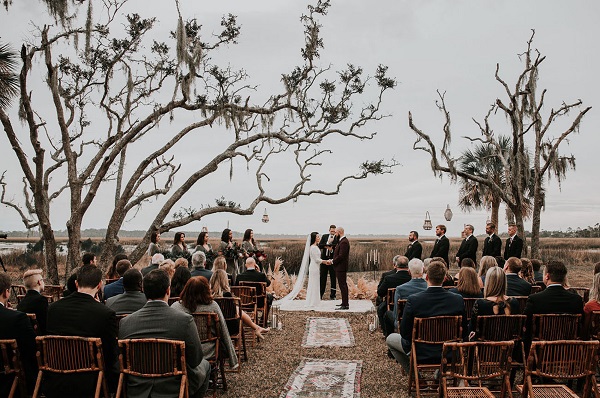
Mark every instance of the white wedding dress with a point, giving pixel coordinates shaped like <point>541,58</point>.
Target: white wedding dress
<point>313,291</point>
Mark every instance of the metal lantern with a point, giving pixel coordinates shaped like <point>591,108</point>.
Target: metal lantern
<point>265,217</point>
<point>448,214</point>
<point>427,224</point>
<point>204,229</point>
<point>276,319</point>
<point>372,320</point>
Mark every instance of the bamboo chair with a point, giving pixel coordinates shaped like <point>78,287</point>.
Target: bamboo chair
<point>152,358</point>
<point>262,310</point>
<point>17,292</point>
<point>232,312</point>
<point>593,326</point>
<point>434,331</point>
<point>34,322</point>
<point>173,300</point>
<point>70,355</point>
<point>209,333</point>
<point>53,292</point>
<point>552,327</point>
<point>535,289</point>
<point>399,312</point>
<point>469,303</point>
<point>390,298</point>
<point>10,366</point>
<point>247,295</point>
<point>564,359</point>
<point>475,364</point>
<point>522,302</point>
<point>119,319</point>
<point>584,292</point>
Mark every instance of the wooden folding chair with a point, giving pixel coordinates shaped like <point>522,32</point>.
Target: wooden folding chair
<point>10,366</point>
<point>469,303</point>
<point>551,327</point>
<point>584,292</point>
<point>232,312</point>
<point>434,331</point>
<point>262,310</point>
<point>522,300</point>
<point>152,358</point>
<point>34,322</point>
<point>535,289</point>
<point>390,298</point>
<point>53,292</point>
<point>247,296</point>
<point>70,355</point>
<point>475,364</point>
<point>209,332</point>
<point>399,312</point>
<point>565,360</point>
<point>17,292</point>
<point>592,326</point>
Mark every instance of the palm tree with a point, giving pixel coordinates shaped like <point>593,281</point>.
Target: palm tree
<point>9,82</point>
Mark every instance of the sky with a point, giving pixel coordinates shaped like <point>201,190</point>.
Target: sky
<point>451,46</point>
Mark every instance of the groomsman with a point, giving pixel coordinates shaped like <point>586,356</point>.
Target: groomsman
<point>414,249</point>
<point>441,245</point>
<point>468,247</point>
<point>492,245</point>
<point>514,244</point>
<point>327,245</point>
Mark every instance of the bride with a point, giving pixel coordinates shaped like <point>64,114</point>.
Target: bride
<point>311,261</point>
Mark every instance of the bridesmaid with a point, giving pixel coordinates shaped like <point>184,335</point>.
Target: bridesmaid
<point>205,247</point>
<point>227,248</point>
<point>179,248</point>
<point>250,248</point>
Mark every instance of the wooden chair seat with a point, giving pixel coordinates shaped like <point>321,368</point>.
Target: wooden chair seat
<point>549,391</point>
<point>232,312</point>
<point>10,366</point>
<point>475,392</point>
<point>152,358</point>
<point>209,332</point>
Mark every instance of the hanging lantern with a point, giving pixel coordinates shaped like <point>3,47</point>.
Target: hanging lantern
<point>265,217</point>
<point>427,224</point>
<point>448,214</point>
<point>204,229</point>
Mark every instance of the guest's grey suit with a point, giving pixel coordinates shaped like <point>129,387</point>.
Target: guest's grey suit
<point>157,320</point>
<point>127,303</point>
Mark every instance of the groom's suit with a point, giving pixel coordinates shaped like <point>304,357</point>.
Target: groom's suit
<point>340,264</point>
<point>327,254</point>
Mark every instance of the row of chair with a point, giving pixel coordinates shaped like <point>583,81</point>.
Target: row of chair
<point>51,292</point>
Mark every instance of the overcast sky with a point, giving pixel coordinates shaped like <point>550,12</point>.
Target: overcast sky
<point>452,46</point>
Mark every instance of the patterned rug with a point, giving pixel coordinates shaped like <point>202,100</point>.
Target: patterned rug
<point>327,332</point>
<point>324,379</point>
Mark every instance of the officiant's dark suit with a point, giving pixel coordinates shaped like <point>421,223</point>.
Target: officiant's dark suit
<point>492,246</point>
<point>341,254</point>
<point>441,247</point>
<point>513,247</point>
<point>327,254</point>
<point>414,250</point>
<point>468,247</point>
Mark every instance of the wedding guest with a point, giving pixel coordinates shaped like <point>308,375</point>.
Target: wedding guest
<point>34,302</point>
<point>181,262</point>
<point>414,249</point>
<point>468,285</point>
<point>492,245</point>
<point>593,303</point>
<point>485,264</point>
<point>179,248</point>
<point>537,270</point>
<point>514,243</point>
<point>227,248</point>
<point>86,259</point>
<point>526,272</point>
<point>465,263</point>
<point>515,285</point>
<point>196,297</point>
<point>154,246</point>
<point>116,287</point>
<point>252,274</point>
<point>495,301</point>
<point>181,276</point>
<point>133,299</point>
<point>392,281</point>
<point>468,247</point>
<point>206,248</point>
<point>221,263</point>
<point>112,270</point>
<point>154,262</point>
<point>441,247</point>
<point>199,265</point>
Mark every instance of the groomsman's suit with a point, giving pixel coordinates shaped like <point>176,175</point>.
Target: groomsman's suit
<point>441,248</point>
<point>341,255</point>
<point>492,246</point>
<point>513,247</point>
<point>468,249</point>
<point>324,270</point>
<point>414,250</point>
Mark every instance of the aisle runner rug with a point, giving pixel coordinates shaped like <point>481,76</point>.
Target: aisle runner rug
<point>324,378</point>
<point>327,332</point>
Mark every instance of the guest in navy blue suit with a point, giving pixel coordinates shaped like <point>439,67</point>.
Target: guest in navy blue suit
<point>116,287</point>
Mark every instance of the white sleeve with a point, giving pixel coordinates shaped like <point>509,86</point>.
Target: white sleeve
<point>315,255</point>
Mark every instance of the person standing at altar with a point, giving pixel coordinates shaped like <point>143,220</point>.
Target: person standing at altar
<point>341,255</point>
<point>327,245</point>
<point>514,244</point>
<point>414,249</point>
<point>441,245</point>
<point>468,247</point>
<point>492,245</point>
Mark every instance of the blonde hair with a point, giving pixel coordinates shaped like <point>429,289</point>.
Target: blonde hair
<point>220,263</point>
<point>485,264</point>
<point>219,283</point>
<point>468,282</point>
<point>181,262</point>
<point>495,286</point>
<point>168,266</point>
<point>595,290</point>
<point>526,272</point>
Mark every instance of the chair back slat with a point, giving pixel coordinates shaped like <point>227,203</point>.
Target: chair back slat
<point>535,289</point>
<point>399,311</point>
<point>500,327</point>
<point>206,323</point>
<point>522,300</point>
<point>594,325</point>
<point>246,294</point>
<point>152,357</point>
<point>584,292</point>
<point>69,354</point>
<point>9,363</point>
<point>469,303</point>
<point>390,298</point>
<point>437,330</point>
<point>563,359</point>
<point>17,292</point>
<point>53,292</point>
<point>232,312</point>
<point>476,361</point>
<point>556,326</point>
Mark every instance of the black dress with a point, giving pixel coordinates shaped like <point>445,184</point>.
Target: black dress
<point>486,307</point>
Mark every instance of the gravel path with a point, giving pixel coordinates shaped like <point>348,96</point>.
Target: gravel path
<point>273,360</point>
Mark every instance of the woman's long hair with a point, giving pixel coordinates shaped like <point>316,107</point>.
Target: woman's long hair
<point>225,235</point>
<point>177,238</point>
<point>247,235</point>
<point>527,271</point>
<point>196,292</point>
<point>220,263</point>
<point>181,276</point>
<point>201,238</point>
<point>595,290</point>
<point>219,283</point>
<point>486,263</point>
<point>495,286</point>
<point>468,282</point>
<point>313,237</point>
<point>154,236</point>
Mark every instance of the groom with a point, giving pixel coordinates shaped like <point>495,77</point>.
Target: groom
<point>340,264</point>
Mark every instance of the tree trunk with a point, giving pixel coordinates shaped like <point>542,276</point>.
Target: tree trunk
<point>495,211</point>
<point>73,245</point>
<point>111,238</point>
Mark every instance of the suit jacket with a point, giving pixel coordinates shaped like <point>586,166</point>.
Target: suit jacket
<point>516,286</point>
<point>80,315</point>
<point>341,254</point>
<point>202,272</point>
<point>114,288</point>
<point>157,320</point>
<point>16,325</point>
<point>325,255</point>
<point>555,299</point>
<point>492,246</point>
<point>468,249</point>
<point>35,303</point>
<point>414,250</point>
<point>379,299</point>
<point>413,286</point>
<point>127,303</point>
<point>149,268</point>
<point>391,281</point>
<point>441,247</point>
<point>252,275</point>
<point>513,249</point>
<point>434,301</point>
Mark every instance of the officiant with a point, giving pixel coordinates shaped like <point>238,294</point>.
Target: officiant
<point>327,245</point>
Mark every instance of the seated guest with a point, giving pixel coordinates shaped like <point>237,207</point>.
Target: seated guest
<point>154,262</point>
<point>537,272</point>
<point>434,301</point>
<point>80,314</point>
<point>16,325</point>
<point>196,297</point>
<point>112,270</point>
<point>199,265</point>
<point>593,303</point>
<point>527,271</point>
<point>468,285</point>
<point>34,302</point>
<point>415,285</point>
<point>181,262</point>
<point>252,274</point>
<point>133,299</point>
<point>86,259</point>
<point>379,298</point>
<point>500,261</point>
<point>221,263</point>
<point>515,285</point>
<point>181,276</point>
<point>392,281</point>
<point>168,266</point>
<point>555,299</point>
<point>116,287</point>
<point>495,301</point>
<point>485,264</point>
<point>467,262</point>
<point>157,320</point>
